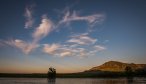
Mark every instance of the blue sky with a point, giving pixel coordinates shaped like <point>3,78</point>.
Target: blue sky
<point>70,35</point>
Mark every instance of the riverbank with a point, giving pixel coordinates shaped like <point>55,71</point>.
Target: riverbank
<point>74,75</point>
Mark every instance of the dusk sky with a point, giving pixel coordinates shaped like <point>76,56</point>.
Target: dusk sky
<point>70,35</point>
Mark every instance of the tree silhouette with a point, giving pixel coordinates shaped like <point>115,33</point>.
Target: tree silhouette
<point>52,74</point>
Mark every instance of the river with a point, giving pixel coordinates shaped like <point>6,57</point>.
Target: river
<point>135,80</point>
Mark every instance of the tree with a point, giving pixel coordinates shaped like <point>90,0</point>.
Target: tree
<point>52,73</point>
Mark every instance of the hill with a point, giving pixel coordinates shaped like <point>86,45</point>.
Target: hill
<point>115,66</point>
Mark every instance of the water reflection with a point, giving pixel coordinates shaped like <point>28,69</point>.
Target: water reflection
<point>107,81</point>
<point>124,80</point>
<point>129,80</point>
<point>51,81</point>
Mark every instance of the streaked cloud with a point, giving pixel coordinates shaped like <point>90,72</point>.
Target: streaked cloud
<point>66,53</point>
<point>40,32</point>
<point>22,45</point>
<point>76,45</point>
<point>59,50</point>
<point>90,19</point>
<point>82,39</point>
<point>29,16</point>
<point>43,29</point>
<point>2,43</point>
<point>99,48</point>
<point>50,49</point>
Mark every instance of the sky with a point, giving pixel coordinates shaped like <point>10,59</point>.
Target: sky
<point>70,35</point>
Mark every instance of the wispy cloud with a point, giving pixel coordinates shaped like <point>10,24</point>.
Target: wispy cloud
<point>57,50</point>
<point>43,29</point>
<point>65,51</point>
<point>74,46</point>
<point>40,32</point>
<point>82,39</point>
<point>22,45</point>
<point>99,48</point>
<point>29,16</point>
<point>51,49</point>
<point>92,20</point>
<point>2,43</point>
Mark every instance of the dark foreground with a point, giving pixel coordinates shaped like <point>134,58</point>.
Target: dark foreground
<point>135,80</point>
<point>76,75</point>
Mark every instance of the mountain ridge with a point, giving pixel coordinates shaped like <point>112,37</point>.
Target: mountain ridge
<point>116,66</point>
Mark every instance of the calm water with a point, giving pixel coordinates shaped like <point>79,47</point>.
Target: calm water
<point>73,81</point>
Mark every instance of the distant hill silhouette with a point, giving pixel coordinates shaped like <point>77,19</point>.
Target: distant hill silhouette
<point>115,66</point>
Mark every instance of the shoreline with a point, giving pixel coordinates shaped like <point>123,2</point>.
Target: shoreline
<point>73,75</point>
